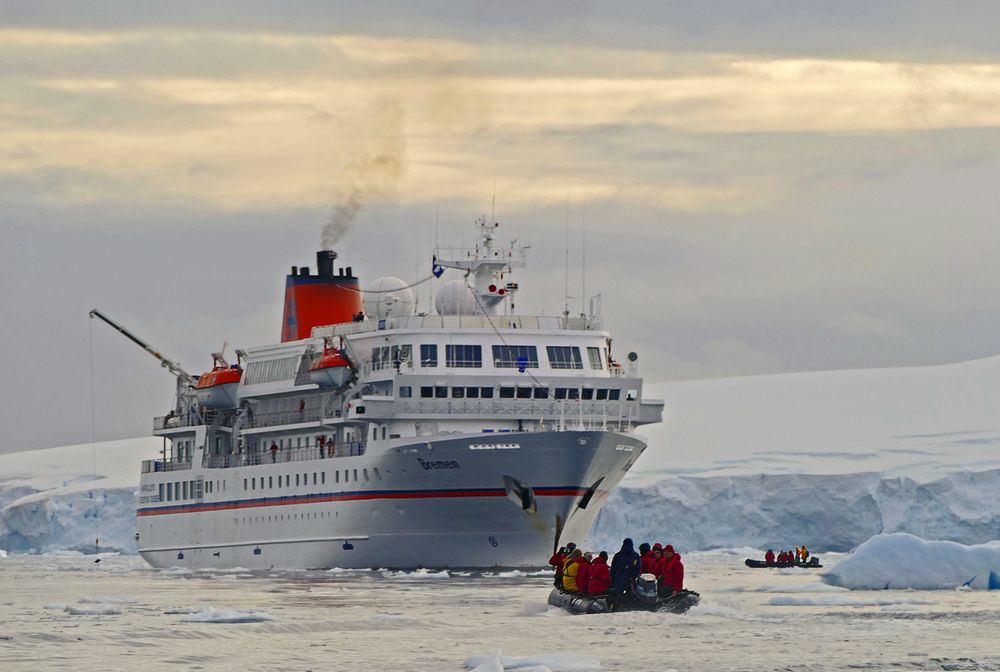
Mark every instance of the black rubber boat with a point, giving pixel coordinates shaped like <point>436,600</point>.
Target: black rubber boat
<point>638,600</point>
<point>812,563</point>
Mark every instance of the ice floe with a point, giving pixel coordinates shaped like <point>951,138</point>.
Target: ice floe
<point>552,662</point>
<point>892,561</point>
<point>213,615</point>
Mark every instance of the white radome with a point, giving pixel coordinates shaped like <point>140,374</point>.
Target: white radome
<point>388,297</point>
<point>455,298</point>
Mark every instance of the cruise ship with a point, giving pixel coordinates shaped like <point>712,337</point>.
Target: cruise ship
<point>374,435</point>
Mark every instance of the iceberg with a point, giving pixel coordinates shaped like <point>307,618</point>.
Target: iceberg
<point>897,561</point>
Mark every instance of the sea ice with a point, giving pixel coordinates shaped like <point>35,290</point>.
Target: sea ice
<point>555,662</point>
<point>893,561</point>
<point>100,610</point>
<point>213,615</point>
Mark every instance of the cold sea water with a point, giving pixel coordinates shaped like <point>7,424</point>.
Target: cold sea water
<point>66,612</point>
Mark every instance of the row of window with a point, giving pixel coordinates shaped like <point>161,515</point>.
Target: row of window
<point>179,490</point>
<point>520,392</point>
<point>471,356</point>
<point>318,478</point>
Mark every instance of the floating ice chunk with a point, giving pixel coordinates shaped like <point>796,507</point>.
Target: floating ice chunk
<point>98,599</point>
<point>892,561</point>
<point>213,615</point>
<point>100,610</point>
<point>516,573</point>
<point>345,570</point>
<point>554,662</point>
<point>3,553</point>
<point>418,574</point>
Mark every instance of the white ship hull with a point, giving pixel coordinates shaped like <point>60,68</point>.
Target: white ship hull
<point>442,502</point>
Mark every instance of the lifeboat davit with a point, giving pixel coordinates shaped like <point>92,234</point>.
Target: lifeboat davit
<point>217,388</point>
<point>331,369</point>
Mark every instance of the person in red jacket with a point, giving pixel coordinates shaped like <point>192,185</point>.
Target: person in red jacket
<point>583,573</point>
<point>645,557</point>
<point>657,563</point>
<point>557,560</point>
<point>599,575</point>
<point>650,559</point>
<point>673,569</point>
<point>769,557</point>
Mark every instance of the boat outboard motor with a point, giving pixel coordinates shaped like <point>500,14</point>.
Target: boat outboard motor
<point>645,590</point>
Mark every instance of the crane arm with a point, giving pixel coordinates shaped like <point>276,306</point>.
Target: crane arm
<point>168,364</point>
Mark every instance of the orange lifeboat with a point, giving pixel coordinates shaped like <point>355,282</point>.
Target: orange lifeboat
<point>331,369</point>
<point>218,388</point>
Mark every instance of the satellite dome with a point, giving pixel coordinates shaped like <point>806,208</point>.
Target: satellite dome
<point>388,297</point>
<point>455,298</point>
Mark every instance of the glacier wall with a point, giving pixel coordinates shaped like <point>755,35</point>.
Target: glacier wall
<point>45,522</point>
<point>824,512</point>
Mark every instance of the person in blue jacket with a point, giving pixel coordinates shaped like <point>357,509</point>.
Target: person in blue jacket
<point>625,567</point>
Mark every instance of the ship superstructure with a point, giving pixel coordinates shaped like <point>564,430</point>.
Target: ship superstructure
<point>372,436</point>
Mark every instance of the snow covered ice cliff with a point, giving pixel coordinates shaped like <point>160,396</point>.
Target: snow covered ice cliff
<point>827,459</point>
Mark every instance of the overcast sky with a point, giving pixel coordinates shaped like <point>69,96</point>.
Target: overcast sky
<point>765,186</point>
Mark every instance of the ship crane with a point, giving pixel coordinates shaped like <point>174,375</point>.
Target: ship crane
<point>168,364</point>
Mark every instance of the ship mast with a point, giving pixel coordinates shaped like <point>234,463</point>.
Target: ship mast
<point>485,266</point>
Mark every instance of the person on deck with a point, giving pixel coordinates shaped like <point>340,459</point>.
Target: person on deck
<point>769,557</point>
<point>625,567</point>
<point>583,573</point>
<point>805,554</point>
<point>673,571</point>
<point>570,570</point>
<point>557,561</point>
<point>600,576</point>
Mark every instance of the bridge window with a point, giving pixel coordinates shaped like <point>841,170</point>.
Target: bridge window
<point>573,393</point>
<point>587,393</point>
<point>458,393</point>
<point>541,393</point>
<point>162,493</point>
<point>564,357</point>
<point>441,392</point>
<point>472,392</point>
<point>561,392</point>
<point>429,355</point>
<point>524,393</point>
<point>486,392</point>
<point>405,391</point>
<point>380,357</point>
<point>464,356</point>
<point>614,394</point>
<point>426,391</point>
<point>170,492</point>
<point>594,355</point>
<point>515,356</point>
<point>401,355</point>
<point>507,392</point>
<point>602,394</point>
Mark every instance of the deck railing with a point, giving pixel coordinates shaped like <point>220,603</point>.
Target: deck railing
<point>285,455</point>
<point>154,466</point>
